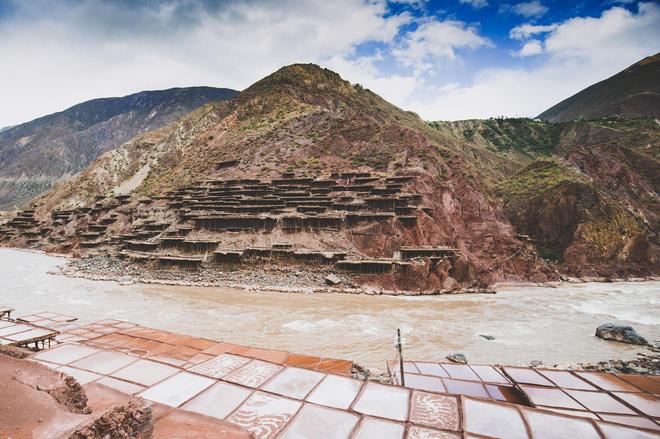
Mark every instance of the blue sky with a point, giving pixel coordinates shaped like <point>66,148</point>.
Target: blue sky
<point>453,59</point>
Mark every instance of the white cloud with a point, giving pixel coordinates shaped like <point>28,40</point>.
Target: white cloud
<point>58,54</point>
<point>530,48</point>
<point>393,88</point>
<point>532,8</point>
<point>525,31</point>
<point>617,33</point>
<point>580,52</point>
<point>477,4</point>
<point>435,41</point>
<point>413,3</point>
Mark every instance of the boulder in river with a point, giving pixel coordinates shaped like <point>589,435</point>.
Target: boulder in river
<point>457,358</point>
<point>620,333</point>
<point>332,279</point>
<point>126,280</point>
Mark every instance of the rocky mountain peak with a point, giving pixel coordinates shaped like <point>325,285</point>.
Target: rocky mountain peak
<point>305,83</point>
<point>631,93</point>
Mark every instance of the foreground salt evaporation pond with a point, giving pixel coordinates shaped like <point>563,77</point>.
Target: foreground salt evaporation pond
<point>553,325</point>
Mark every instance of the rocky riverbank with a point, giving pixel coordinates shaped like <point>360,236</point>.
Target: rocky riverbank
<point>646,364</point>
<point>289,279</point>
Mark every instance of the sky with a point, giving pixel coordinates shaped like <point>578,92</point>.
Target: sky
<point>445,60</point>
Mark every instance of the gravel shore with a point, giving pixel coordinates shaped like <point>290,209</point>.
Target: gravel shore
<point>281,278</point>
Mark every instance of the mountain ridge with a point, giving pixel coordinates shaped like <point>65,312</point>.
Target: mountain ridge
<point>36,154</point>
<point>631,93</point>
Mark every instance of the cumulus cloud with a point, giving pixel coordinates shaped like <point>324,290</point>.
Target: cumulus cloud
<point>412,3</point>
<point>615,34</point>
<point>533,8</point>
<point>436,40</point>
<point>477,4</point>
<point>527,30</point>
<point>530,48</point>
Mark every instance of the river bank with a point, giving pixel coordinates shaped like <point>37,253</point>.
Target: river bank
<point>276,278</point>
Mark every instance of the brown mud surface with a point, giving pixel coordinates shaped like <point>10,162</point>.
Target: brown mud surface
<point>37,402</point>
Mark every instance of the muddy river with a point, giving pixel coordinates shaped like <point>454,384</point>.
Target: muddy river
<point>553,325</point>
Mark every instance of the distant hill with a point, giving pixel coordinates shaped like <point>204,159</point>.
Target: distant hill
<point>632,93</point>
<point>36,154</point>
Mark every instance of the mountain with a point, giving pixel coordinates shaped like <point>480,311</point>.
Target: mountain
<point>582,190</point>
<point>514,199</point>
<point>36,154</point>
<point>632,93</point>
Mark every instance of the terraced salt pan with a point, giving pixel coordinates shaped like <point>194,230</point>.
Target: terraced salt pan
<point>551,426</point>
<point>417,432</point>
<point>253,374</point>
<point>177,389</point>
<point>645,403</point>
<point>14,329</point>
<point>221,365</point>
<point>314,421</point>
<point>66,354</point>
<point>145,372</point>
<point>550,397</point>
<point>383,401</point>
<point>378,428</point>
<point>28,335</point>
<point>433,410</point>
<point>494,420</point>
<point>264,415</point>
<point>104,362</point>
<point>294,383</point>
<point>566,380</point>
<point>336,391</point>
<point>218,401</point>
<point>83,377</point>
<point>461,372</point>
<point>120,385</point>
<point>599,402</point>
<point>619,432</point>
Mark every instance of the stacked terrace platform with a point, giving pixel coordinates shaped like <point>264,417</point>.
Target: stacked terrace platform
<point>48,319</point>
<point>226,222</point>
<point>231,204</point>
<point>277,394</point>
<point>24,334</point>
<point>409,252</point>
<point>372,266</point>
<point>22,226</point>
<point>195,252</point>
<point>5,312</point>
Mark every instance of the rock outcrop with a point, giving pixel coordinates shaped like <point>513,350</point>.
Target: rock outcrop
<point>39,402</point>
<point>620,333</point>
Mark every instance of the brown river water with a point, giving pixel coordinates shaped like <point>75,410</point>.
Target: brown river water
<point>553,325</point>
